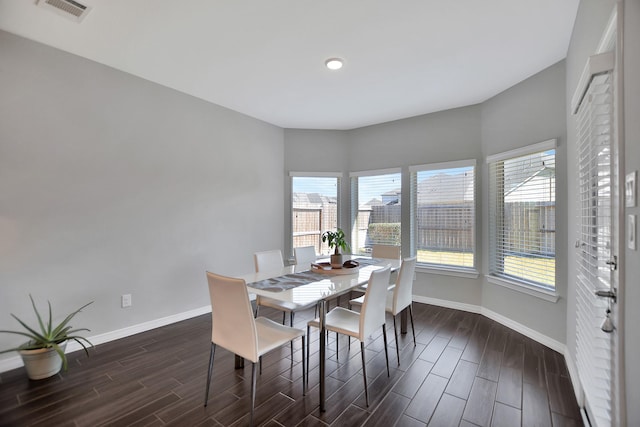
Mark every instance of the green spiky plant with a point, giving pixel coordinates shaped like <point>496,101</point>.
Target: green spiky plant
<point>337,240</point>
<point>49,336</point>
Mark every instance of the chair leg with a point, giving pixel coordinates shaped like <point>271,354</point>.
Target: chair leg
<point>308,344</point>
<point>212,352</point>
<point>413,328</point>
<point>337,343</point>
<point>291,324</point>
<point>284,317</point>
<point>395,331</point>
<point>257,308</point>
<point>386,351</point>
<point>253,391</point>
<point>260,363</point>
<point>304,369</point>
<point>364,374</point>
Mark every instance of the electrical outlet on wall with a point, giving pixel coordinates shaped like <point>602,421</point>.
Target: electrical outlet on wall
<point>126,300</point>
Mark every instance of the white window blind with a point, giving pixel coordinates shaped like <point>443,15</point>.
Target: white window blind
<point>443,214</point>
<point>594,353</point>
<point>314,210</point>
<point>522,215</point>
<point>375,209</point>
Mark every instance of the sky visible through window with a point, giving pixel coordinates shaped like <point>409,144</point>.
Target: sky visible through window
<point>373,187</point>
<point>451,171</point>
<point>370,187</point>
<point>319,185</point>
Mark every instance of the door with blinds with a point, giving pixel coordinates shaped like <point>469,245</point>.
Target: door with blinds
<point>597,241</point>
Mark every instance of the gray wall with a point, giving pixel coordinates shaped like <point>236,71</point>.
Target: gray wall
<point>530,112</point>
<point>433,138</point>
<point>590,23</point>
<point>314,151</point>
<point>632,163</point>
<point>110,184</point>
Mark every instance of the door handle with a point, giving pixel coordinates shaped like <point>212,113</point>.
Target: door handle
<point>607,293</point>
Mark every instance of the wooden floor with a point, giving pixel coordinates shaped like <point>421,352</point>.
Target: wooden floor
<point>466,370</point>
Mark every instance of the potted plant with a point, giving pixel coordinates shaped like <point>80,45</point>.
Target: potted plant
<point>43,355</point>
<point>336,239</point>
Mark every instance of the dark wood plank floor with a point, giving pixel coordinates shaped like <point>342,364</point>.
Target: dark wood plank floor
<point>466,370</point>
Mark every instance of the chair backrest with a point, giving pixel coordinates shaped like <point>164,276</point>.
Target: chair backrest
<point>385,251</point>
<point>372,314</point>
<point>403,292</point>
<point>232,323</point>
<point>304,254</point>
<point>268,260</point>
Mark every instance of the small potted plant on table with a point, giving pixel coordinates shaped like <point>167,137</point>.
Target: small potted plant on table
<point>336,240</point>
<point>43,355</point>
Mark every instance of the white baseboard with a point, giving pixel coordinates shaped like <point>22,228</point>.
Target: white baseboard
<point>573,375</point>
<point>16,362</point>
<point>448,304</point>
<point>524,330</point>
<point>518,327</point>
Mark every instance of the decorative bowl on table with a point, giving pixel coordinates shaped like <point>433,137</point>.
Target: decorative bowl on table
<point>348,267</point>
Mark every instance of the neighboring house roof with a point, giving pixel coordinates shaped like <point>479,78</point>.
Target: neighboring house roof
<point>434,190</point>
<point>534,188</point>
<point>312,200</point>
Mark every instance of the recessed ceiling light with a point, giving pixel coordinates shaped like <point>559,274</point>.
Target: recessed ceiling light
<point>333,63</point>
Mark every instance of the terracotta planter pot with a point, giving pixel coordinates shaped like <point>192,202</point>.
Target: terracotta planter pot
<point>42,363</point>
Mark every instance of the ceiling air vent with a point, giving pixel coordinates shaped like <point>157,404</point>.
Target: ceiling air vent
<point>67,8</point>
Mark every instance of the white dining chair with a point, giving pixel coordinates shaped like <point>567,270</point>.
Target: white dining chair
<point>266,261</point>
<point>270,261</point>
<point>398,298</point>
<point>385,251</point>
<point>234,328</point>
<point>304,255</point>
<point>361,325</point>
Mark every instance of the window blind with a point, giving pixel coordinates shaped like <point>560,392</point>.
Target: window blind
<point>314,210</point>
<point>443,214</point>
<point>375,209</point>
<point>522,217</point>
<point>594,356</point>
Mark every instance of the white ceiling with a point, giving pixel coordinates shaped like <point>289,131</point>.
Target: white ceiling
<point>265,58</point>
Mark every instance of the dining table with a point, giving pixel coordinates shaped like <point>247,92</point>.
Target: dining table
<point>303,285</point>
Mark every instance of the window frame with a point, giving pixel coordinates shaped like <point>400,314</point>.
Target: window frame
<point>295,174</point>
<point>523,285</point>
<point>354,205</point>
<point>445,269</point>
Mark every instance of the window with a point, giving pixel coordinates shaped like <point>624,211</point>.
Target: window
<point>522,208</point>
<point>375,209</point>
<point>443,214</point>
<point>314,208</point>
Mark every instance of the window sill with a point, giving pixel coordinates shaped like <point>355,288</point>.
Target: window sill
<point>466,273</point>
<point>544,294</point>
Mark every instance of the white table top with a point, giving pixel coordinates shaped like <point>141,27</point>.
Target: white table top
<point>329,287</point>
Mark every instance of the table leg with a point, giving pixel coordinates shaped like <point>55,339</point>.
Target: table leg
<point>403,320</point>
<point>323,346</point>
<point>239,362</point>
